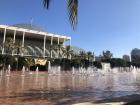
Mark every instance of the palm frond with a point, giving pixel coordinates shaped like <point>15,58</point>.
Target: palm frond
<point>46,3</point>
<point>73,12</point>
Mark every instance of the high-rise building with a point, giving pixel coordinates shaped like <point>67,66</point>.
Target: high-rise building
<point>135,55</point>
<point>126,58</point>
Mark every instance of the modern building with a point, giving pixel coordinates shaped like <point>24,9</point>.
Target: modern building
<point>98,58</point>
<point>34,39</point>
<point>135,55</point>
<point>126,58</point>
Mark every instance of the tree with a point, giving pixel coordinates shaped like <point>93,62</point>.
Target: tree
<point>21,61</point>
<point>68,52</point>
<point>51,48</point>
<point>107,55</point>
<point>89,55</point>
<point>30,62</point>
<point>72,10</point>
<point>19,49</point>
<point>9,47</point>
<point>117,62</point>
<point>59,48</point>
<point>82,55</point>
<point>97,64</point>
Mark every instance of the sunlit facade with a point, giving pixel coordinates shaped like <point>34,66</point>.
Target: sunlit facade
<point>35,40</point>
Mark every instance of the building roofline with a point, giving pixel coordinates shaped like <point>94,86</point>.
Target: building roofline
<point>34,31</point>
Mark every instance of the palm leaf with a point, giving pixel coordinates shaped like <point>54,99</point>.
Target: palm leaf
<point>46,3</point>
<point>73,12</point>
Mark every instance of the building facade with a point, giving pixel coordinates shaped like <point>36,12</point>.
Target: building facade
<point>135,55</point>
<point>126,58</point>
<point>37,42</point>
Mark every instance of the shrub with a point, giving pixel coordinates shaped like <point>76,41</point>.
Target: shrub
<point>97,64</point>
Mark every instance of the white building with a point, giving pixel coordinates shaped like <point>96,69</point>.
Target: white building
<point>33,38</point>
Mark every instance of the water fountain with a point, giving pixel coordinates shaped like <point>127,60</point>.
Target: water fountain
<point>59,70</point>
<point>1,72</point>
<point>23,71</point>
<point>73,70</point>
<point>37,70</point>
<point>134,71</point>
<point>22,82</point>
<point>54,70</point>
<point>8,71</point>
<point>49,67</point>
<point>81,79</point>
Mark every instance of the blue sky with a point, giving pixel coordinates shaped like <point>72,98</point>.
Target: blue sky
<point>103,24</point>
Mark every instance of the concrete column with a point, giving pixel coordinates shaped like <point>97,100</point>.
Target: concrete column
<point>4,37</point>
<point>58,41</point>
<point>44,45</point>
<point>64,47</point>
<point>52,40</point>
<point>51,45</point>
<point>15,36</point>
<point>14,40</point>
<point>23,37</point>
<point>58,49</point>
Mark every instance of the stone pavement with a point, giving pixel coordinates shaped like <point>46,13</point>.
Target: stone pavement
<point>113,103</point>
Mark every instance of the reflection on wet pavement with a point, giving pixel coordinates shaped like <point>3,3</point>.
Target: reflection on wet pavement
<point>44,89</point>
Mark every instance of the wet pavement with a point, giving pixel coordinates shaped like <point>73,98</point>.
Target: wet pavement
<point>43,89</point>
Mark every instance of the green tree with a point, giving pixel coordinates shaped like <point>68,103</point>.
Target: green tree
<point>117,62</point>
<point>30,62</point>
<point>97,64</point>
<point>72,10</point>
<point>21,61</point>
<point>82,55</point>
<point>59,48</point>
<point>51,48</point>
<point>20,50</point>
<point>89,55</point>
<point>9,45</point>
<point>107,54</point>
<point>68,52</point>
<point>8,49</point>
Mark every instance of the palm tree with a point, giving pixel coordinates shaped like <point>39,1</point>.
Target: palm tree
<point>50,48</point>
<point>107,54</point>
<point>19,50</point>
<point>68,52</point>
<point>82,55</point>
<point>30,62</point>
<point>59,48</point>
<point>72,10</point>
<point>89,55</point>
<point>9,47</point>
<point>93,56</point>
